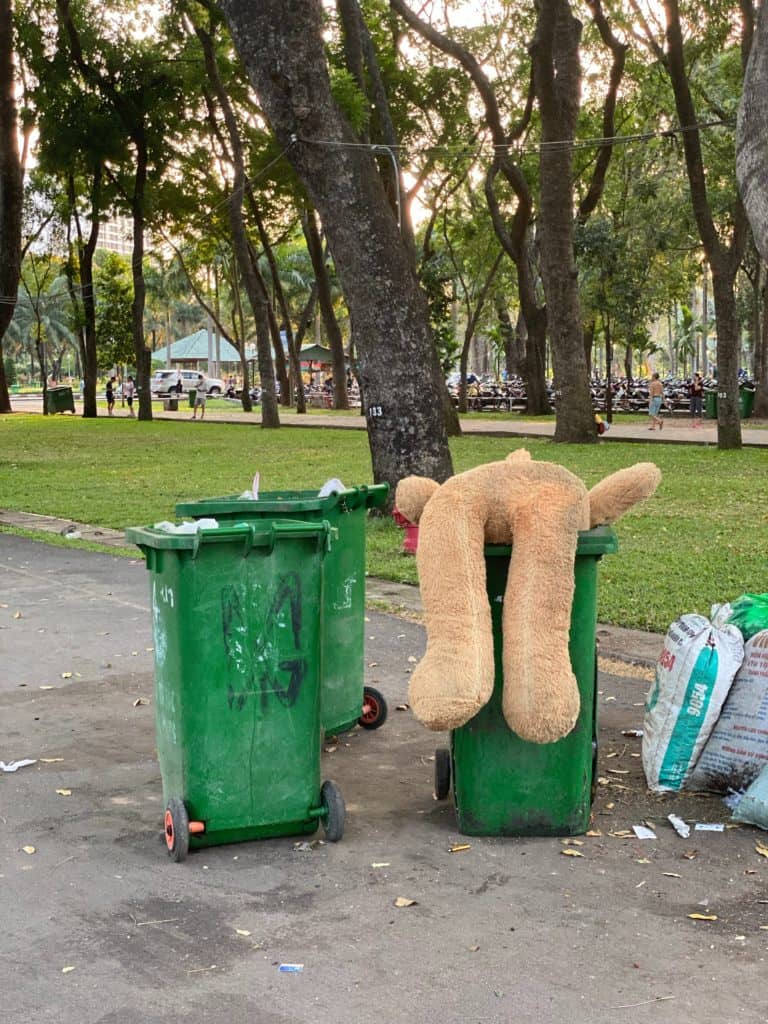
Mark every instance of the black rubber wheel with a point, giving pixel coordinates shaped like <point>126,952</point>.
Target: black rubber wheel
<point>375,709</point>
<point>176,829</point>
<point>336,811</point>
<point>215,392</point>
<point>442,773</point>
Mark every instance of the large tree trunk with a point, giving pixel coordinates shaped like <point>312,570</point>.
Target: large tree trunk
<point>281,44</point>
<point>557,78</point>
<point>752,135</point>
<point>85,253</point>
<point>11,189</point>
<point>761,355</point>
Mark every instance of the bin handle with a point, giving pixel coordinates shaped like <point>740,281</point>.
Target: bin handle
<point>323,531</point>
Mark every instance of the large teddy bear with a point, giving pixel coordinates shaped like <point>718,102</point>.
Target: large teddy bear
<point>540,508</point>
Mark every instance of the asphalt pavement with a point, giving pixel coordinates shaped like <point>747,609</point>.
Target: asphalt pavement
<point>98,925</point>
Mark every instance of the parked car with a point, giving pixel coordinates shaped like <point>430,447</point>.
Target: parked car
<point>164,383</point>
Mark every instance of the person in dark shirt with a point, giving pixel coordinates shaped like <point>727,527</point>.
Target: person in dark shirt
<point>110,395</point>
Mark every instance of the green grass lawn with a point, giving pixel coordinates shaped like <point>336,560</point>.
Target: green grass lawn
<point>703,537</point>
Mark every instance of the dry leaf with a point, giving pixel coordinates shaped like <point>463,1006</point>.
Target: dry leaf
<point>703,917</point>
<point>140,701</point>
<point>17,615</point>
<point>622,833</point>
<point>380,864</point>
<point>29,849</point>
<point>642,860</point>
<point>610,806</point>
<point>571,853</point>
<point>402,707</point>
<point>66,675</point>
<point>402,901</point>
<point>572,842</point>
<point>473,949</point>
<point>459,847</point>
<point>762,850</point>
<point>242,931</point>
<point>412,660</point>
<point>51,760</point>
<point>602,781</point>
<point>66,970</point>
<point>593,833</point>
<point>373,664</point>
<point>64,792</point>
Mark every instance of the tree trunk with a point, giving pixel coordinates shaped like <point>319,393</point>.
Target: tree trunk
<point>723,259</point>
<point>557,78</point>
<point>509,338</point>
<point>727,327</point>
<point>281,44</point>
<point>761,355</point>
<point>141,352</point>
<point>11,189</point>
<point>752,135</point>
<point>332,330</point>
<point>85,253</point>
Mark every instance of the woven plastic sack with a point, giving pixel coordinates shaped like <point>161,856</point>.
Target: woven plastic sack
<point>749,613</point>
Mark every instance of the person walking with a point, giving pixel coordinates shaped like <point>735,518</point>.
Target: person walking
<point>696,394</point>
<point>200,395</point>
<point>655,397</point>
<point>129,390</point>
<point>111,396</point>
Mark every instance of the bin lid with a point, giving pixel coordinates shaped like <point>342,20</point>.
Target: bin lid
<point>250,535</point>
<point>372,496</point>
<point>602,540</point>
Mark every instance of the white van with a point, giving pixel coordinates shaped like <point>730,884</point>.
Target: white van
<point>164,383</point>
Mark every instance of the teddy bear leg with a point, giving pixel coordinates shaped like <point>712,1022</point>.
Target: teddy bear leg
<point>541,697</point>
<point>455,677</point>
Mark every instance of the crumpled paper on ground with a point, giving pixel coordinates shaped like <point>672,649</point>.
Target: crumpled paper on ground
<point>13,766</point>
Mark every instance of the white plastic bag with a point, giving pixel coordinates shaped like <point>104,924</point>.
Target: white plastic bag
<point>693,677</point>
<point>737,750</point>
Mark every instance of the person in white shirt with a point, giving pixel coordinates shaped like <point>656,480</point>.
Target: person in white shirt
<point>200,395</point>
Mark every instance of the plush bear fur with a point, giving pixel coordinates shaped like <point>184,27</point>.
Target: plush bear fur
<point>539,507</point>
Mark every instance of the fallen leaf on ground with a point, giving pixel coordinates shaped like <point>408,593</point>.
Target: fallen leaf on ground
<point>66,970</point>
<point>373,664</point>
<point>473,949</point>
<point>402,901</point>
<point>17,615</point>
<point>593,833</point>
<point>569,852</point>
<point>762,850</point>
<point>622,833</point>
<point>690,855</point>
<point>66,675</point>
<point>642,860</point>
<point>140,701</point>
<point>459,847</point>
<point>64,792</point>
<point>380,864</point>
<point>703,917</point>
<point>412,660</point>
<point>29,849</point>
<point>402,707</point>
<point>572,842</point>
<point>242,931</point>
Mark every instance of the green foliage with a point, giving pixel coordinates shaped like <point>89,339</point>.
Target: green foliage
<point>701,539</point>
<point>114,300</point>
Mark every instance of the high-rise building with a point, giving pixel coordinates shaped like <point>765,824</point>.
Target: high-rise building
<point>116,235</point>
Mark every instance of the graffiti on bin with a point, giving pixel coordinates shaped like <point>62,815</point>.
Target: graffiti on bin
<point>256,658</point>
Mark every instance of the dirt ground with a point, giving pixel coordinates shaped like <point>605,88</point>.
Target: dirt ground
<point>98,925</point>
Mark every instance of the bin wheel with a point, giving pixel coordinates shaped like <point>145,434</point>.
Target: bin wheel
<point>176,829</point>
<point>335,811</point>
<point>374,709</point>
<point>442,773</point>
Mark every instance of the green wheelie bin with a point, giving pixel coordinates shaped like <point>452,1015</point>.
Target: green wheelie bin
<point>746,402</point>
<point>60,399</point>
<point>506,786</point>
<point>710,404</point>
<point>344,699</point>
<point>236,613</point>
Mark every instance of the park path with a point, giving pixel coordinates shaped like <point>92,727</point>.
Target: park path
<point>676,430</point>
